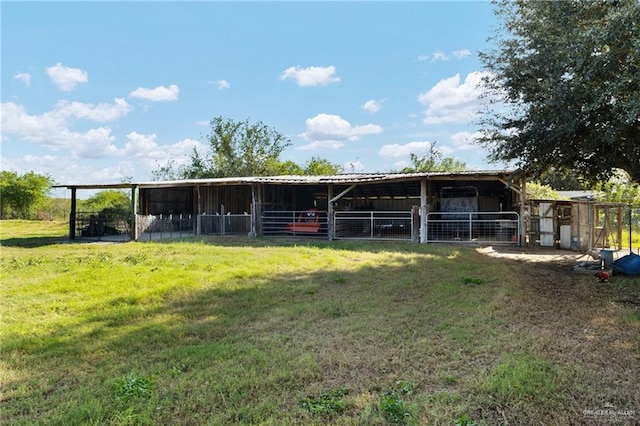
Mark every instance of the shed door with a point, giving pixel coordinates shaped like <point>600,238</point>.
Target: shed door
<point>546,225</point>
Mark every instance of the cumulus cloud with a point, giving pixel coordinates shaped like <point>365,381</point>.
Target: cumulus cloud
<point>311,76</point>
<point>100,112</point>
<point>159,94</point>
<point>465,141</point>
<point>24,77</point>
<point>146,149</point>
<point>95,143</point>
<point>420,148</point>
<point>452,100</point>
<point>52,128</point>
<point>372,105</point>
<point>66,78</point>
<point>329,127</point>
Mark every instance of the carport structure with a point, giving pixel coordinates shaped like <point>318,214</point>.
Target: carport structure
<point>471,206</point>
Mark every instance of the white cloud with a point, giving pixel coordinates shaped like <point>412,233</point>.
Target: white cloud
<point>145,149</point>
<point>328,127</point>
<point>24,77</point>
<point>66,78</point>
<point>395,150</point>
<point>51,129</point>
<point>453,101</point>
<point>462,53</point>
<point>320,145</point>
<point>159,94</point>
<point>372,105</point>
<point>311,76</point>
<point>439,56</point>
<point>100,113</point>
<point>422,58</point>
<point>465,141</point>
<point>95,143</point>
<point>221,84</point>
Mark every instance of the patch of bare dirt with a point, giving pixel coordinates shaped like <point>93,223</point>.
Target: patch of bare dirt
<point>590,328</point>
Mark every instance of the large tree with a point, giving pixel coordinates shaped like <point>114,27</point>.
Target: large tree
<point>21,194</point>
<point>237,148</point>
<point>565,84</point>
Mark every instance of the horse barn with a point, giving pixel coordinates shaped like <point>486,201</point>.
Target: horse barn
<point>484,207</point>
<point>478,206</point>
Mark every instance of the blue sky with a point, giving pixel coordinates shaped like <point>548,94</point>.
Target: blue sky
<point>97,92</point>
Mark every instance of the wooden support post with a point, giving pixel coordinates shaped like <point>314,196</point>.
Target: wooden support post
<point>134,213</point>
<point>72,215</point>
<point>423,210</point>
<point>330,229</point>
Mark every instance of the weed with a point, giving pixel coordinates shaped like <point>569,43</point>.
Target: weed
<point>394,408</point>
<point>130,386</point>
<point>330,402</point>
<point>136,258</point>
<point>449,379</point>
<point>393,405</point>
<point>474,281</point>
<point>465,420</point>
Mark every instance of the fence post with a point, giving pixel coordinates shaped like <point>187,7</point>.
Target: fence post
<point>222,222</point>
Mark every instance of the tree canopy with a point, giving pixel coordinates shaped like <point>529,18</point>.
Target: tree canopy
<point>237,148</point>
<point>434,162</point>
<point>21,194</point>
<point>565,84</point>
<point>242,148</point>
<point>111,201</point>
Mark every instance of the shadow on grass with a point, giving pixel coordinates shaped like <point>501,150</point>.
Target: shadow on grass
<point>33,242</point>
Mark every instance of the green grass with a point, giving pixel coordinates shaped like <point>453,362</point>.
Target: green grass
<point>256,331</point>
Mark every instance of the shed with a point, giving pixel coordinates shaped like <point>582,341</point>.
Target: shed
<point>470,206</point>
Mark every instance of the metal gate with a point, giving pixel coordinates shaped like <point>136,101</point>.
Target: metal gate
<point>373,225</point>
<point>473,227</point>
<point>295,223</point>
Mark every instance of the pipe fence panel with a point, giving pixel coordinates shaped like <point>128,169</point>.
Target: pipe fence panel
<point>302,223</point>
<point>153,227</point>
<point>373,225</point>
<point>228,224</point>
<point>474,227</point>
<point>103,226</point>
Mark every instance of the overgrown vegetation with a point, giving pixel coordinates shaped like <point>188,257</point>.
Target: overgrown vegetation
<point>256,331</point>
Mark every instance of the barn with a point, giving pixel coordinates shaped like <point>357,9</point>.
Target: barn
<point>463,207</point>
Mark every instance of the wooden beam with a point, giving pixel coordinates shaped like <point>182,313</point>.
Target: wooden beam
<point>343,193</point>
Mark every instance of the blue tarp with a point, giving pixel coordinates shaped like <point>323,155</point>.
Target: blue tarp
<point>628,265</point>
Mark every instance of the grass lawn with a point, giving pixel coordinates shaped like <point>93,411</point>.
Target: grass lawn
<point>215,331</point>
